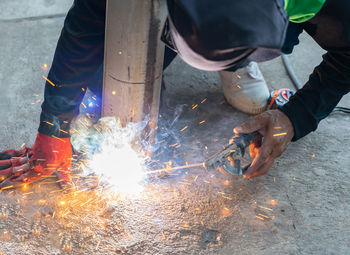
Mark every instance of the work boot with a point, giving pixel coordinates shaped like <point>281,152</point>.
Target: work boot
<point>246,89</point>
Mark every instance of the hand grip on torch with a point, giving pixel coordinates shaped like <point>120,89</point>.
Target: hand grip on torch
<point>229,159</point>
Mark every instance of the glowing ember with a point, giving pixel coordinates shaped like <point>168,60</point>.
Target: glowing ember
<point>25,186</point>
<point>272,202</point>
<point>225,211</point>
<point>265,208</point>
<point>260,218</point>
<point>263,215</point>
<point>184,129</point>
<point>52,84</point>
<point>36,232</point>
<point>164,237</point>
<point>280,134</point>
<point>67,247</point>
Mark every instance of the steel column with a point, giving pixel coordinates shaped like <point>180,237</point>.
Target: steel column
<point>133,60</point>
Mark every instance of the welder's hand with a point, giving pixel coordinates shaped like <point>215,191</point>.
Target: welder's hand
<point>48,154</point>
<point>277,132</point>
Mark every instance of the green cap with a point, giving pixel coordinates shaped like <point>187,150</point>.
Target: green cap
<point>302,10</point>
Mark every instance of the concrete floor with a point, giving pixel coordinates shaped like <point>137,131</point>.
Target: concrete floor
<point>310,182</point>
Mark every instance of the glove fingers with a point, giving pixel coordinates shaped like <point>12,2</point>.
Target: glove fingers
<point>18,170</point>
<point>13,162</point>
<point>27,177</point>
<point>14,153</point>
<point>4,156</point>
<point>7,166</point>
<point>13,171</point>
<point>4,164</point>
<point>5,173</point>
<point>19,161</point>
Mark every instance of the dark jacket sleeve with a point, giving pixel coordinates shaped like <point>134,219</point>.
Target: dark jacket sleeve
<point>78,56</point>
<point>330,81</point>
<point>317,99</point>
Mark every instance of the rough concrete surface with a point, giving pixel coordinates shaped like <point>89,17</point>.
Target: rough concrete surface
<point>196,212</point>
<point>22,9</point>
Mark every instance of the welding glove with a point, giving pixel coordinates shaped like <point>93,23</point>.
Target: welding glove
<point>46,156</point>
<point>277,132</point>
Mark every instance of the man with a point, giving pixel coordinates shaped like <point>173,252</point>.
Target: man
<point>223,36</point>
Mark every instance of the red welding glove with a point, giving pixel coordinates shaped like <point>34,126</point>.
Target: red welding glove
<point>48,154</point>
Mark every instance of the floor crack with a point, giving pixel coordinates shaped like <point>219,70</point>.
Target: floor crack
<point>294,222</point>
<point>17,20</point>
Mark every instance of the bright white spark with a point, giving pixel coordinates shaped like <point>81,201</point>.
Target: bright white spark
<point>110,154</point>
<point>121,166</point>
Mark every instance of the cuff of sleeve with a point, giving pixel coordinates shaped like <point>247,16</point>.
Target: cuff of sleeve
<point>302,120</point>
<point>51,125</point>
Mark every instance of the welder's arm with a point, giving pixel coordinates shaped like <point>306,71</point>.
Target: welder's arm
<point>301,115</point>
<point>78,56</point>
<point>329,82</point>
